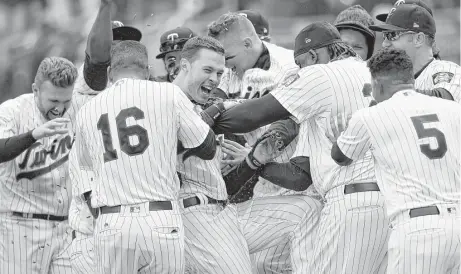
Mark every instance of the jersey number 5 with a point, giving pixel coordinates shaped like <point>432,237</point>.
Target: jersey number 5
<point>124,132</point>
<point>418,123</point>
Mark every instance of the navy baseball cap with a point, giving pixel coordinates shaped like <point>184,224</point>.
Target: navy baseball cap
<point>126,33</point>
<point>316,35</point>
<point>174,40</point>
<point>382,17</point>
<point>408,18</point>
<point>259,22</point>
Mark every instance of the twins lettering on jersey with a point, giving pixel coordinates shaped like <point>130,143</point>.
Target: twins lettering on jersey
<point>40,159</point>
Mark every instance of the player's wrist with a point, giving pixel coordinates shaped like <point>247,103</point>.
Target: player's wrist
<point>252,162</point>
<point>210,114</point>
<point>35,134</point>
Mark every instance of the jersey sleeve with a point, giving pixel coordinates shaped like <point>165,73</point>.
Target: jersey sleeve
<point>354,142</point>
<point>81,169</point>
<point>192,130</point>
<point>448,76</point>
<point>8,126</point>
<point>305,95</point>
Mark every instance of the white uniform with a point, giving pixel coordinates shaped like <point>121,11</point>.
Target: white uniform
<point>414,140</point>
<point>35,182</point>
<point>293,217</point>
<point>441,74</point>
<point>213,235</point>
<point>80,218</point>
<point>128,136</point>
<point>353,229</point>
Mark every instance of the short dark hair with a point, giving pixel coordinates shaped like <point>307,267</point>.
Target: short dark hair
<point>392,63</point>
<point>193,45</point>
<point>129,54</point>
<point>59,71</point>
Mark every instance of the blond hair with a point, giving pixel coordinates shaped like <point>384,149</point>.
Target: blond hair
<point>59,71</point>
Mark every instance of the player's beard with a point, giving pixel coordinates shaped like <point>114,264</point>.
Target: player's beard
<point>54,113</point>
<point>173,72</point>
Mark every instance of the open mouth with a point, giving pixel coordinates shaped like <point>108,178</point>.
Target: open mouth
<point>206,89</point>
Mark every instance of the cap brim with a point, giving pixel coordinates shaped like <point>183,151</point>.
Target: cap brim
<point>386,27</point>
<point>382,17</point>
<point>355,27</point>
<point>161,55</point>
<point>126,33</point>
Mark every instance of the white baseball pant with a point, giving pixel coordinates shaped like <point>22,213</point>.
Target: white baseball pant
<point>34,246</point>
<point>137,240</point>
<point>82,253</point>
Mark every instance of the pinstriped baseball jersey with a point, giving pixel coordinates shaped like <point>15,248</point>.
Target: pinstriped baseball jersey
<point>414,140</point>
<point>323,98</point>
<point>282,65</point>
<point>441,74</point>
<point>37,180</point>
<point>130,133</point>
<point>80,217</point>
<point>201,176</point>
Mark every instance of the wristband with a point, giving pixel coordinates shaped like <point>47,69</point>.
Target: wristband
<point>213,112</point>
<point>252,162</point>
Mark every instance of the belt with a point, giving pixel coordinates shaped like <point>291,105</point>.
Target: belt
<point>363,187</point>
<point>424,211</point>
<point>153,206</point>
<point>40,216</point>
<point>193,201</point>
<point>74,235</point>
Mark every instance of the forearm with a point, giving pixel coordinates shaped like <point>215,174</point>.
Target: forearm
<point>206,151</point>
<point>294,175</point>
<point>250,115</point>
<point>12,147</point>
<point>437,92</point>
<point>238,177</point>
<point>100,37</point>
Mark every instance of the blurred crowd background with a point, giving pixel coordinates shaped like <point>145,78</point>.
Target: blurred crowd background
<point>33,29</point>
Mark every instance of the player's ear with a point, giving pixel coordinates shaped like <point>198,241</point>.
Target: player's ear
<point>248,43</point>
<point>34,88</point>
<point>314,56</point>
<point>185,64</point>
<point>419,39</point>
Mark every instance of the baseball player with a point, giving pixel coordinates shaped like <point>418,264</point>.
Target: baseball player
<point>245,50</point>
<point>412,28</point>
<point>35,139</point>
<point>353,25</point>
<point>171,44</point>
<point>213,235</point>
<point>322,98</point>
<point>383,16</point>
<point>93,73</point>
<point>417,157</point>
<point>259,22</point>
<point>138,223</point>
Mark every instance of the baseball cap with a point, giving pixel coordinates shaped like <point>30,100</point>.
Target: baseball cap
<point>174,40</point>
<point>126,33</point>
<point>382,17</point>
<point>316,35</point>
<point>259,22</point>
<point>408,18</point>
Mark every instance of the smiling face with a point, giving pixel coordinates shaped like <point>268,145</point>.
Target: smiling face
<point>237,54</point>
<point>172,61</point>
<point>52,101</point>
<point>204,74</point>
<point>356,40</point>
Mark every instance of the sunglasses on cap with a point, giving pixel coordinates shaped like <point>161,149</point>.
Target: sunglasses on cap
<point>173,45</point>
<point>394,35</point>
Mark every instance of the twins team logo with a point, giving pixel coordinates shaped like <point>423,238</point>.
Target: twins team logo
<point>442,77</point>
<point>36,157</point>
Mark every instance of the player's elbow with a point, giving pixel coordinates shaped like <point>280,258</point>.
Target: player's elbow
<point>206,151</point>
<point>338,156</point>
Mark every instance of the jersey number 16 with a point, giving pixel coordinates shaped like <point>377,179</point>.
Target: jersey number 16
<point>124,132</point>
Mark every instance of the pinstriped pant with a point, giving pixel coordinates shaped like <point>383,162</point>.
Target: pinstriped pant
<point>140,242</point>
<point>214,240</point>
<point>426,244</point>
<point>82,254</point>
<point>276,225</point>
<point>34,246</point>
<point>352,234</point>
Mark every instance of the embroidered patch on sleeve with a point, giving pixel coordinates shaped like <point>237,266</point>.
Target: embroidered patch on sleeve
<point>440,77</point>
<point>290,80</point>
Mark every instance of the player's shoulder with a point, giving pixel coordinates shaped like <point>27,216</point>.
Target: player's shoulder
<point>443,71</point>
<point>280,57</point>
<point>21,103</point>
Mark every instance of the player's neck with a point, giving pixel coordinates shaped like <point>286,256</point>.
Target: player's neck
<point>259,48</point>
<point>421,62</point>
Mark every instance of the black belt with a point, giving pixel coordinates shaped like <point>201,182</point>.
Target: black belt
<point>193,201</point>
<point>424,211</point>
<point>363,187</point>
<point>74,235</point>
<point>40,216</point>
<point>153,206</point>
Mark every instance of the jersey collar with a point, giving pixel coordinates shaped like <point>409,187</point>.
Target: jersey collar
<point>423,68</point>
<point>264,60</point>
